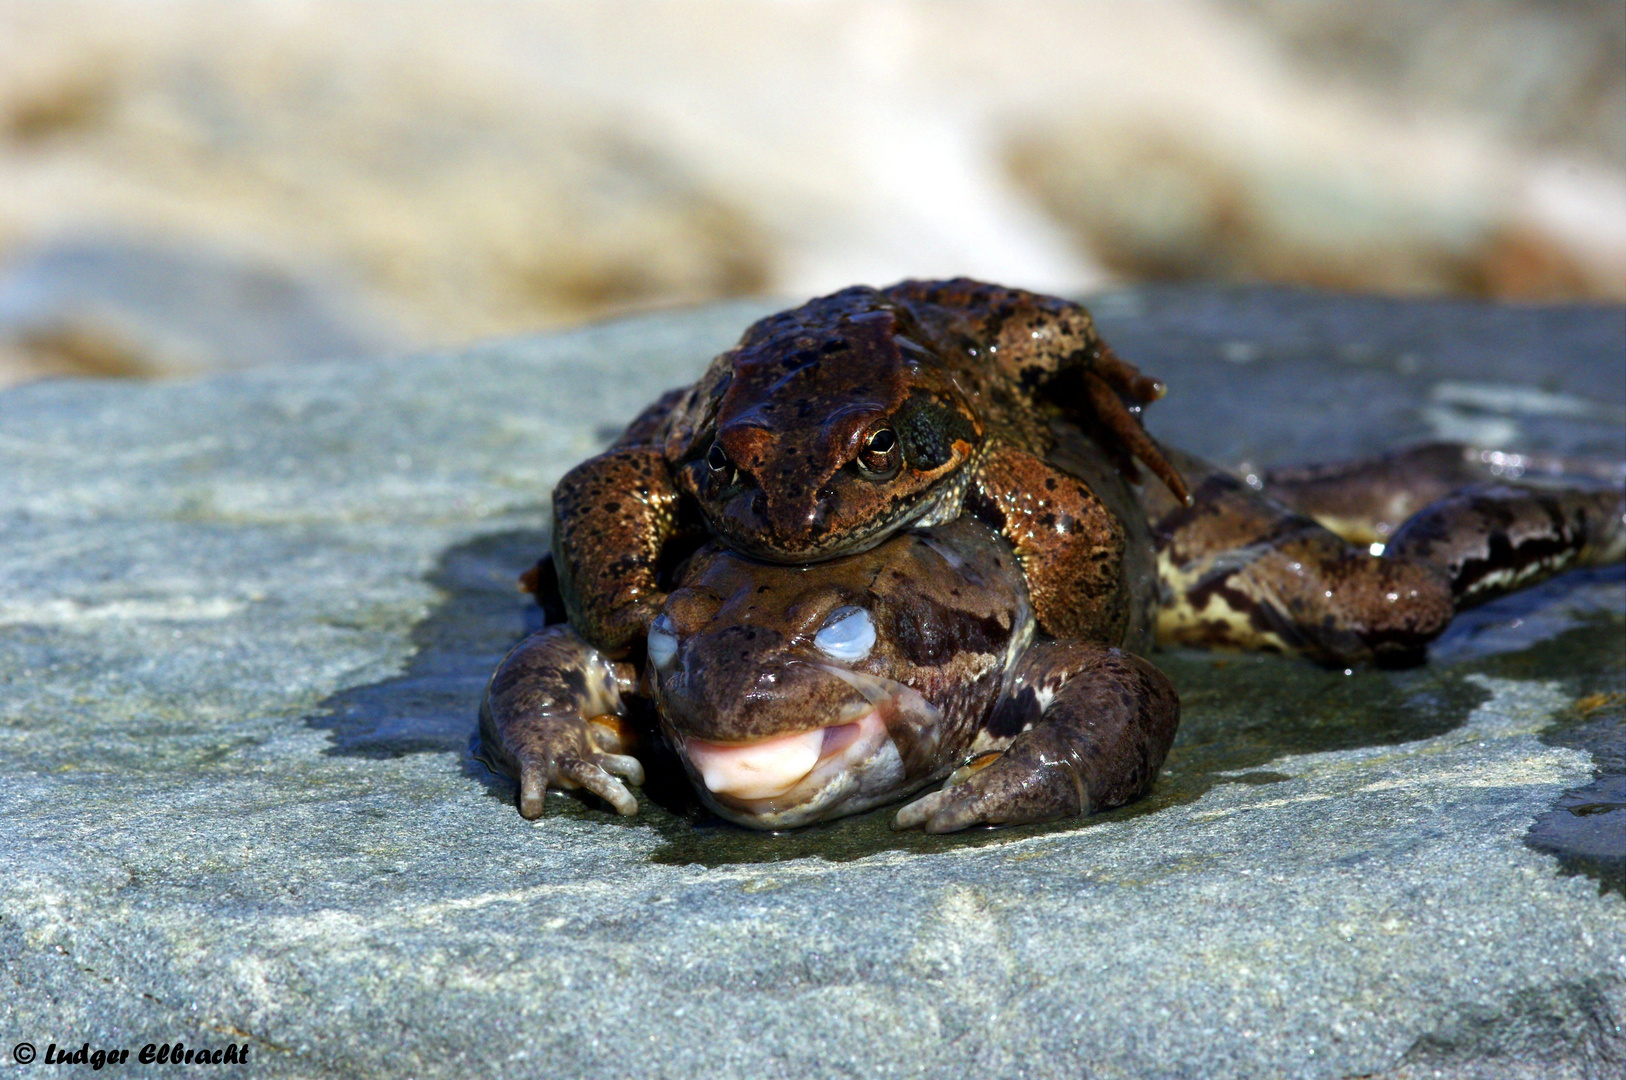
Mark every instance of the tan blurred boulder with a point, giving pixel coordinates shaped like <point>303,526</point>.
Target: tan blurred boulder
<point>126,307</point>
<point>1418,146</point>
<point>478,169</point>
<point>329,140</point>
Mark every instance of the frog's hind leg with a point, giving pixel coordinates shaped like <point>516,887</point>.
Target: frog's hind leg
<point>1491,539</point>
<point>1084,728</point>
<point>1050,348</point>
<point>1365,500</point>
<point>1493,520</point>
<point>1239,570</point>
<point>1242,570</point>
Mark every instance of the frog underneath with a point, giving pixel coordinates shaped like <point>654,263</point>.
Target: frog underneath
<point>795,695</point>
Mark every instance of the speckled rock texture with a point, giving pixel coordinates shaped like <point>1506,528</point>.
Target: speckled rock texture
<point>245,622</point>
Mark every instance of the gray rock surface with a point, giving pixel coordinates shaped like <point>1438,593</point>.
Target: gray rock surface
<point>244,624</point>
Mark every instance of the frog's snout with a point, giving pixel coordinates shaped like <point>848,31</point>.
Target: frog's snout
<point>796,521</point>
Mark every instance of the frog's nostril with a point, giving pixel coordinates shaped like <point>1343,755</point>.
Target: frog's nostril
<point>790,514</point>
<point>823,510</point>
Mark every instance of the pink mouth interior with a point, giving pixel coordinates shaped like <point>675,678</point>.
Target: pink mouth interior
<point>769,767</point>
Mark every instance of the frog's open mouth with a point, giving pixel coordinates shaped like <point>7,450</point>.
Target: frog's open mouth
<point>771,767</point>
<point>848,765</point>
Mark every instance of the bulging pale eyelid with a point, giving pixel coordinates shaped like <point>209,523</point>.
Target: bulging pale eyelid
<point>662,642</point>
<point>847,635</point>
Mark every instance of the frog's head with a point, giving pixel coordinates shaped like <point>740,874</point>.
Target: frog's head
<point>795,694</point>
<point>833,428</point>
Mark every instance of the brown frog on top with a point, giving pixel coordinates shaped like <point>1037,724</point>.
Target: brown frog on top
<point>832,426</point>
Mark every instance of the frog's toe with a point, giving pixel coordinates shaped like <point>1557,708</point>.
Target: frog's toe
<point>966,806</point>
<point>625,766</point>
<point>918,813</point>
<point>945,810</point>
<point>601,783</point>
<point>950,810</point>
<point>533,784</point>
<point>536,773</point>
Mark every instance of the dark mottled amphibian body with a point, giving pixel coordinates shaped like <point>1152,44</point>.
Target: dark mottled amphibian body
<point>1257,568</point>
<point>795,694</point>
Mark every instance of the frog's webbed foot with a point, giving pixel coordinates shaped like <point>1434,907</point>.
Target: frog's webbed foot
<point>553,717</point>
<point>1107,379</point>
<point>1091,728</point>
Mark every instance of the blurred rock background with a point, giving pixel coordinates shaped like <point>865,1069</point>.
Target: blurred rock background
<point>197,185</point>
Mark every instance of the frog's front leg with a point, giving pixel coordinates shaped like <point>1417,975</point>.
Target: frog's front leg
<point>553,717</point>
<point>1085,728</point>
<point>614,517</point>
<point>1070,544</point>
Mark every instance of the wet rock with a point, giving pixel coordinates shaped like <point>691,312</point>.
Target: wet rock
<point>244,623</point>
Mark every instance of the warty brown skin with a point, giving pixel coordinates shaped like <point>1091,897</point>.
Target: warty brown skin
<point>1057,728</point>
<point>1077,727</point>
<point>834,425</point>
<point>947,605</point>
<point>1244,567</point>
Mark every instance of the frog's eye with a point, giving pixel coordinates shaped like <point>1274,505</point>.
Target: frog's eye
<point>881,455</point>
<point>848,634</point>
<point>717,459</point>
<point>662,642</point>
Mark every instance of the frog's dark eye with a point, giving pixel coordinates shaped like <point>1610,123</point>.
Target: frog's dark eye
<point>717,460</point>
<point>880,457</point>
